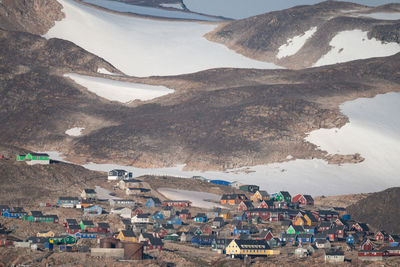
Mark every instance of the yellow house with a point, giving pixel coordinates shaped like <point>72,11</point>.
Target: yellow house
<point>45,234</point>
<point>127,236</point>
<point>311,220</point>
<point>301,221</point>
<point>227,215</point>
<point>250,247</point>
<point>260,195</point>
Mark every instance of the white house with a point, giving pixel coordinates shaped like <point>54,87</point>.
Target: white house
<point>334,256</point>
<point>115,174</point>
<point>123,212</point>
<point>236,184</point>
<point>141,218</point>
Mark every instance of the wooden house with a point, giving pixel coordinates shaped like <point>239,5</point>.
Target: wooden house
<point>35,158</point>
<point>167,211</point>
<point>141,218</point>
<point>45,234</point>
<point>175,220</point>
<point>218,222</point>
<point>381,236</point>
<point>14,214</point>
<point>152,203</point>
<point>266,204</point>
<point>282,196</point>
<point>249,248</point>
<point>92,211</point>
<point>260,195</point>
<point>360,227</point>
<point>62,239</point>
<point>87,225</point>
<point>249,188</point>
<point>367,245</point>
<point>88,193</point>
<point>226,214</point>
<point>322,244</point>
<point>127,236</point>
<point>122,203</point>
<point>232,199</point>
<point>304,200</point>
<point>266,235</point>
<point>154,243</point>
<point>220,243</point>
<point>103,228</point>
<point>200,217</point>
<point>86,235</point>
<point>203,240</point>
<point>177,203</point>
<point>372,255</point>
<point>245,205</point>
<point>295,229</point>
<point>129,183</point>
<point>4,208</point>
<point>68,202</point>
<point>117,174</point>
<point>73,229</point>
<point>326,215</point>
<point>394,240</point>
<point>334,256</point>
<point>185,214</point>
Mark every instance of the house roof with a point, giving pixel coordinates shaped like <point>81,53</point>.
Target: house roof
<point>233,196</point>
<point>40,154</point>
<point>285,194</point>
<point>36,213</point>
<point>103,225</point>
<point>334,252</point>
<point>87,222</point>
<point>155,241</point>
<point>71,221</point>
<point>90,191</point>
<point>308,198</point>
<point>252,244</point>
<point>128,233</point>
<point>68,198</point>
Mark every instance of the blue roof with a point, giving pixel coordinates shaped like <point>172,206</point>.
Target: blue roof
<point>220,182</point>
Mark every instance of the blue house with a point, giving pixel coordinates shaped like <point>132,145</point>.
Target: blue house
<point>310,229</point>
<point>239,217</point>
<point>175,221</point>
<point>200,217</point>
<point>289,238</point>
<point>93,211</point>
<point>203,240</point>
<point>86,235</point>
<point>305,238</point>
<point>158,215</point>
<point>14,214</point>
<point>241,229</point>
<point>220,182</point>
<point>68,202</point>
<point>4,208</point>
<point>152,203</point>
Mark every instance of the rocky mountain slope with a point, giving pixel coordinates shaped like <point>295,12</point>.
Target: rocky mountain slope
<point>380,210</point>
<point>216,119</point>
<point>20,183</point>
<point>262,37</point>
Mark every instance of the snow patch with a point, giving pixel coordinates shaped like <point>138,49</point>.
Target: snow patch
<point>239,9</point>
<point>176,6</point>
<point>104,194</point>
<point>373,131</point>
<point>289,157</point>
<point>123,92</point>
<point>105,71</point>
<point>353,45</point>
<point>145,47</point>
<point>294,44</point>
<point>76,131</point>
<point>149,11</point>
<point>383,16</point>
<point>198,199</point>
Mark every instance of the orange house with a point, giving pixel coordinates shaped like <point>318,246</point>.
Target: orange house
<point>232,199</point>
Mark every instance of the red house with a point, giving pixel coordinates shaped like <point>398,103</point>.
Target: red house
<point>137,211</point>
<point>361,227</point>
<point>372,255</point>
<point>185,215</point>
<point>381,236</point>
<point>206,230</point>
<point>103,228</point>
<point>367,245</point>
<point>154,243</point>
<point>72,229</point>
<point>266,204</point>
<point>266,235</point>
<point>160,233</point>
<point>305,200</point>
<point>177,203</point>
<point>394,239</point>
<point>245,205</point>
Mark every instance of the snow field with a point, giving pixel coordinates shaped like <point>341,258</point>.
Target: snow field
<point>145,47</point>
<point>198,199</point>
<point>353,45</point>
<point>123,92</point>
<point>294,44</point>
<point>76,131</point>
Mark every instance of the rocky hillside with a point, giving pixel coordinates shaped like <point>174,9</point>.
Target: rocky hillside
<point>380,210</point>
<point>20,183</point>
<point>261,37</point>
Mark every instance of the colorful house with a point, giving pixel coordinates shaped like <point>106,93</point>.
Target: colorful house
<point>92,211</point>
<point>249,188</point>
<point>127,236</point>
<point>203,240</point>
<point>200,217</point>
<point>14,214</point>
<point>46,234</point>
<point>232,199</point>
<point>249,248</point>
<point>68,202</point>
<point>88,193</point>
<point>295,229</point>
<point>245,205</point>
<point>86,225</point>
<point>175,221</point>
<point>34,158</point>
<point>220,182</point>
<point>63,239</point>
<point>177,203</point>
<point>185,215</point>
<point>304,200</point>
<point>152,203</point>
<point>282,196</point>
<point>260,195</point>
<point>86,235</point>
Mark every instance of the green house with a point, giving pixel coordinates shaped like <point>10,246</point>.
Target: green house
<point>282,196</point>
<point>295,230</point>
<point>172,237</point>
<point>86,224</point>
<point>64,239</point>
<point>34,158</point>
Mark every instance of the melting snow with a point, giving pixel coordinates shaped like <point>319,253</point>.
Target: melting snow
<point>105,71</point>
<point>353,45</point>
<point>145,47</point>
<point>176,6</point>
<point>373,131</point>
<point>149,11</point>
<point>294,44</point>
<point>383,16</point>
<point>76,131</point>
<point>198,199</point>
<point>124,92</point>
